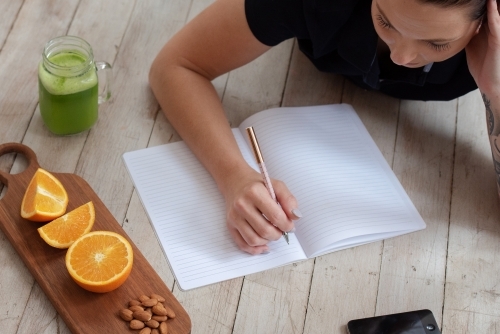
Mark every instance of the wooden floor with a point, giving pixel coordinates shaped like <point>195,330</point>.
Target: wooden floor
<point>438,150</point>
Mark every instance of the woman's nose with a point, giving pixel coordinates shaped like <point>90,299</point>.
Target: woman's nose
<point>403,54</point>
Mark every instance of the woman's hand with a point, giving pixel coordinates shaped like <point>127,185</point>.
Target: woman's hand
<point>483,52</point>
<point>247,202</point>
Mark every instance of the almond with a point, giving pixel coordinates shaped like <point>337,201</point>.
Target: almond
<point>145,330</point>
<point>150,302</point>
<point>136,324</point>
<point>155,331</point>
<point>170,312</point>
<point>136,308</point>
<point>163,328</point>
<point>142,316</point>
<point>134,303</point>
<point>157,297</point>
<point>149,310</point>
<point>158,309</point>
<point>152,323</point>
<point>143,298</point>
<point>159,318</point>
<point>126,314</point>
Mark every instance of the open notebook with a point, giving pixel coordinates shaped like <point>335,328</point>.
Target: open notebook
<point>346,191</point>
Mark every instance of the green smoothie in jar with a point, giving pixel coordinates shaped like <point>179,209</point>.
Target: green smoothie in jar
<point>68,105</point>
<point>68,86</point>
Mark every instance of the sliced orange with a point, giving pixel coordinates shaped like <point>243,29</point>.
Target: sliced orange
<point>63,231</point>
<point>45,199</point>
<point>100,261</point>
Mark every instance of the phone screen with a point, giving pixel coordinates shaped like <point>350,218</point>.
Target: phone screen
<point>415,322</point>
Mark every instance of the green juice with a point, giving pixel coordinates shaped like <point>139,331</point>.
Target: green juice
<point>68,105</point>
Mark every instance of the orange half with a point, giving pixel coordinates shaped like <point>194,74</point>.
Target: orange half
<point>63,231</point>
<point>45,198</point>
<point>100,261</point>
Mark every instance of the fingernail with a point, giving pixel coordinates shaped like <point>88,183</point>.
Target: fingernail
<point>297,213</point>
<point>292,230</point>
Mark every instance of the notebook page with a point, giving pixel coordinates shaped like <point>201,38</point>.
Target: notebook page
<point>344,187</point>
<point>358,241</point>
<point>188,215</point>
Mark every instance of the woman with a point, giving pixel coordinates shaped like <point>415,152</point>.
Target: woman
<point>410,49</point>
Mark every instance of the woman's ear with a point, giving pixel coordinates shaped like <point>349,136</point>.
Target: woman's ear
<point>479,26</point>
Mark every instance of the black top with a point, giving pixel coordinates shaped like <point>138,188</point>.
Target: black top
<point>338,36</point>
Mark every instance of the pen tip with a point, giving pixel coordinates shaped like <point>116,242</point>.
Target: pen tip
<point>285,234</point>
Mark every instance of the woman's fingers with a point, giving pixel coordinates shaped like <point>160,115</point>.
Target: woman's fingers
<point>243,245</point>
<point>275,213</point>
<point>258,217</point>
<point>287,201</point>
<point>254,218</point>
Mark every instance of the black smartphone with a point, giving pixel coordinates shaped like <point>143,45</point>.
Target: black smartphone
<point>414,322</point>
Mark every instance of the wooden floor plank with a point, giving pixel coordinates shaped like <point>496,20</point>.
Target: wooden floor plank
<point>39,315</point>
<point>19,93</point>
<point>379,114</point>
<point>126,123</point>
<point>251,88</point>
<point>351,277</point>
<point>16,282</point>
<point>307,86</point>
<point>257,86</point>
<point>9,11</point>
<point>413,267</point>
<point>278,297</point>
<point>136,222</point>
<point>104,31</point>
<point>103,25</point>
<point>473,266</point>
<point>29,33</point>
<point>137,226</point>
<point>213,308</point>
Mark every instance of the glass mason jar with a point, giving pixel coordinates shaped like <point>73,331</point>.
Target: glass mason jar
<point>68,85</point>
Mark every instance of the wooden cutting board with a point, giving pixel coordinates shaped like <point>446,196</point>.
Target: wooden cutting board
<point>83,311</point>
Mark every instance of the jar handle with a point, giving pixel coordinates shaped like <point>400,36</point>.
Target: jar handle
<point>105,93</point>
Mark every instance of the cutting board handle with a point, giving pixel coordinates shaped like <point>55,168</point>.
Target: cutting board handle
<point>18,148</point>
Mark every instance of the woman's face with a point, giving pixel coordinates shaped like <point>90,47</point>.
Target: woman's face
<point>418,34</point>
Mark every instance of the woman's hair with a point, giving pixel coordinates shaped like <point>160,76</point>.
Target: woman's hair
<point>477,7</point>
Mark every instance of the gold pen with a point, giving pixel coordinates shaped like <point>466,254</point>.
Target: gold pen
<point>263,170</point>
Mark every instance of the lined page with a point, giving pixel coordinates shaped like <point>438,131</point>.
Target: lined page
<point>346,191</point>
<point>188,215</point>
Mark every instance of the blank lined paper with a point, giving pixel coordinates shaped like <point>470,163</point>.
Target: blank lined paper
<point>188,214</point>
<point>343,184</point>
<point>345,189</point>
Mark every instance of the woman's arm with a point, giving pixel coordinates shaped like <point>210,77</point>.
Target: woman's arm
<point>493,124</point>
<point>215,42</point>
<point>483,57</point>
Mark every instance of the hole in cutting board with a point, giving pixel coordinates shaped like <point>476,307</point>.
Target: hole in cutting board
<point>11,166</point>
<point>12,163</point>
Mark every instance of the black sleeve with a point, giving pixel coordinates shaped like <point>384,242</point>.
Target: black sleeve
<point>274,21</point>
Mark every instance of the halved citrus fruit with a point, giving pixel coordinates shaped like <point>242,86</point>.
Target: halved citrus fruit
<point>45,199</point>
<point>100,261</point>
<point>63,231</point>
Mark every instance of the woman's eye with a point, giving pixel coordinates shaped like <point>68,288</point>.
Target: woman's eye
<point>382,22</point>
<point>439,47</point>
